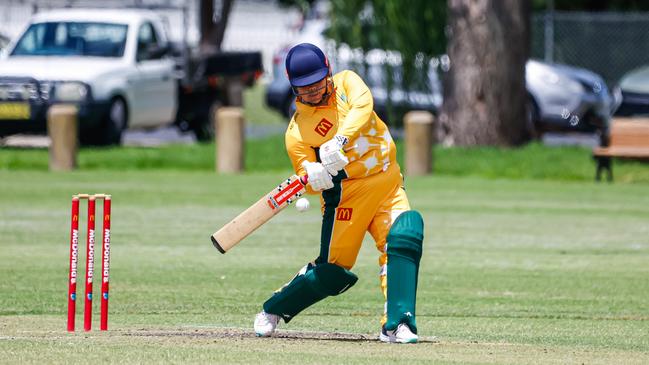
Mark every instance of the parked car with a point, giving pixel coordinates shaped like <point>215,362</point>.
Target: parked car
<point>560,97</point>
<point>632,93</point>
<point>118,67</point>
<point>565,98</point>
<point>111,64</point>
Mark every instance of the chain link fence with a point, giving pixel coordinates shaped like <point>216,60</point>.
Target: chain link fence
<point>609,44</point>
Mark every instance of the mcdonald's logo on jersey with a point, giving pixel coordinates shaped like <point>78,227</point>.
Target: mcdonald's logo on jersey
<point>344,214</point>
<point>323,127</point>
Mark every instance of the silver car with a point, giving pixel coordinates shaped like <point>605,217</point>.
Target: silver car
<point>566,98</point>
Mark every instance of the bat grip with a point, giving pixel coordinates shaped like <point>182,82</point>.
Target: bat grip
<point>304,179</point>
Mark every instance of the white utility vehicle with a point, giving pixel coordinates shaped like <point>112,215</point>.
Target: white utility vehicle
<point>112,64</point>
<point>122,71</point>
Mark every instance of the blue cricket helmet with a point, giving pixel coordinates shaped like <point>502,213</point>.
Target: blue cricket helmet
<point>306,64</point>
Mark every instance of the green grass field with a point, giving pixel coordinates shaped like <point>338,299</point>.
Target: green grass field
<point>531,162</point>
<point>514,272</point>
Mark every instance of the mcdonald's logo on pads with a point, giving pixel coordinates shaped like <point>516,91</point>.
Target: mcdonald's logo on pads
<point>344,214</point>
<point>323,127</point>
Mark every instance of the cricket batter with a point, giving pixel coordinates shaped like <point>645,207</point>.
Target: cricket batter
<point>336,138</point>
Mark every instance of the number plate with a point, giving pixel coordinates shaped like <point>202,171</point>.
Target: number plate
<point>14,111</point>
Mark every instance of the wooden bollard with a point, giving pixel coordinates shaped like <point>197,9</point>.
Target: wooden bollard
<point>230,139</point>
<point>62,129</point>
<point>419,129</point>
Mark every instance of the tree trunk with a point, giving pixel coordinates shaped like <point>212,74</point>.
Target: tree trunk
<point>485,95</point>
<point>212,28</point>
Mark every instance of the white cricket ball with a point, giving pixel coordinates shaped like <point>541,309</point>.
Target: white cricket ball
<point>302,204</point>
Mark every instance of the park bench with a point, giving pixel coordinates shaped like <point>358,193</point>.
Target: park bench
<point>628,139</point>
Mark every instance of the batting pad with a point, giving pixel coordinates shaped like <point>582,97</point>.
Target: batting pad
<point>317,283</point>
<point>404,253</point>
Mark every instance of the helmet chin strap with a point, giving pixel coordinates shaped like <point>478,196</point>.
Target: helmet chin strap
<point>325,96</point>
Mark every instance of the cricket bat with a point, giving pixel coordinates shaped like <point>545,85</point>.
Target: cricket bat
<point>259,213</point>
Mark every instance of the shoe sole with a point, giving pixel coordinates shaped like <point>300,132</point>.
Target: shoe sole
<point>412,340</point>
<point>385,338</point>
<point>263,334</point>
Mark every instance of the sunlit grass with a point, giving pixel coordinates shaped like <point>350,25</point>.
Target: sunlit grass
<point>514,271</point>
<point>532,162</point>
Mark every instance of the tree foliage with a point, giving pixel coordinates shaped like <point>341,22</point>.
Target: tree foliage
<point>410,27</point>
<point>413,28</point>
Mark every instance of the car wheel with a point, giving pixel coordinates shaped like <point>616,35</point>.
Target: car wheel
<point>203,126</point>
<point>110,129</point>
<point>532,119</point>
<point>204,131</point>
<point>115,122</point>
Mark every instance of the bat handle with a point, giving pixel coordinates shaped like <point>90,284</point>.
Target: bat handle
<point>304,179</point>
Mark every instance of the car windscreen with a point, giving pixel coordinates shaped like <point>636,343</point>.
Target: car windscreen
<point>72,39</point>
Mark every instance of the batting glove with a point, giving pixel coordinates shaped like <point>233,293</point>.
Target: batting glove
<point>319,178</point>
<point>332,156</point>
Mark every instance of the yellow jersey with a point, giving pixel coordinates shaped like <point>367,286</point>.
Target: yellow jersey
<point>349,112</point>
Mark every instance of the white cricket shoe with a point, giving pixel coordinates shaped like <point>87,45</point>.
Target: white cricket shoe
<point>265,323</point>
<point>402,334</point>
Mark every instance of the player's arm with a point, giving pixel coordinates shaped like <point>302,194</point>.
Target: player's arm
<point>361,108</point>
<point>303,159</point>
<point>361,105</point>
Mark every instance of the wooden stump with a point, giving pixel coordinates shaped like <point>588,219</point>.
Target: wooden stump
<point>230,139</point>
<point>419,127</point>
<point>62,129</point>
